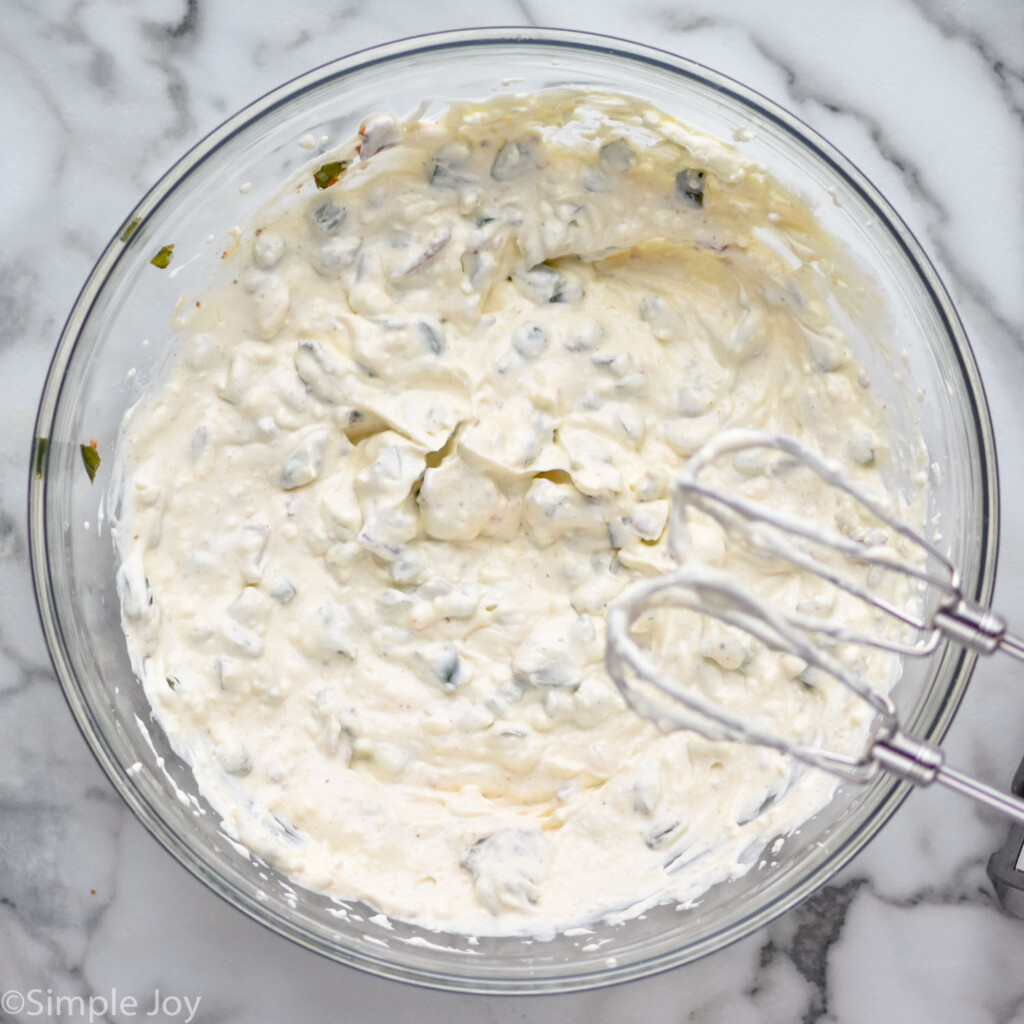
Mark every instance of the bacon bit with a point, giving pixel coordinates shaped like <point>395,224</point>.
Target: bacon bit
<point>437,243</point>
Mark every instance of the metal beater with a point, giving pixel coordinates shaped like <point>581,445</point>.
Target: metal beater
<point>945,613</point>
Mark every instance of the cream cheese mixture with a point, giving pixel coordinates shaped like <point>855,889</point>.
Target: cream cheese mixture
<point>416,441</point>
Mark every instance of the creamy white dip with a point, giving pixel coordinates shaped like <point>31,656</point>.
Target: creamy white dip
<point>415,443</point>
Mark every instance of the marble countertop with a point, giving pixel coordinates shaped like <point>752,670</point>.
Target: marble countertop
<point>97,98</point>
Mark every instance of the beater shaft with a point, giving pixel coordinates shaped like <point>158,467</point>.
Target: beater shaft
<point>923,764</point>
<point>979,628</point>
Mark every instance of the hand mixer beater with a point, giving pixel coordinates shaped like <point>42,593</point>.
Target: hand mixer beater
<point>928,606</point>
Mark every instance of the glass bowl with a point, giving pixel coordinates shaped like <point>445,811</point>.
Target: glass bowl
<point>118,335</point>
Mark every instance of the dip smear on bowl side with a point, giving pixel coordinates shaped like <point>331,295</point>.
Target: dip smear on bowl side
<point>419,436</point>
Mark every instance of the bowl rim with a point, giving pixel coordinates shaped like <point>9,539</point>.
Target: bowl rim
<point>570,41</point>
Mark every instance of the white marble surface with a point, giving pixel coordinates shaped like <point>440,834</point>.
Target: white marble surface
<point>97,97</point>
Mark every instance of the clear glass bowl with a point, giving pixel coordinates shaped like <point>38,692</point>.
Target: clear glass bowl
<point>118,334</point>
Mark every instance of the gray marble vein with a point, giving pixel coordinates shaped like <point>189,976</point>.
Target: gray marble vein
<point>527,17</point>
